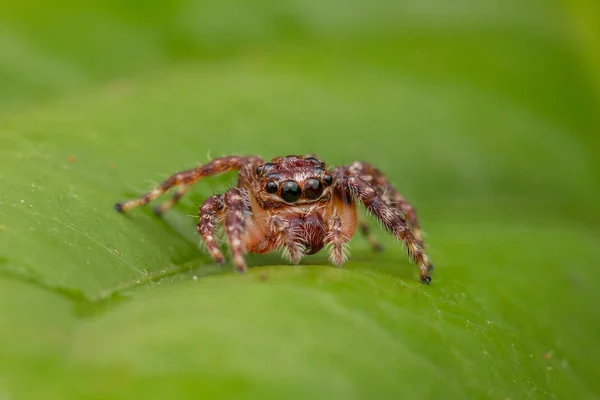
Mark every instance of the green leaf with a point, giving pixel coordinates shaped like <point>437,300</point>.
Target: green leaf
<point>486,121</point>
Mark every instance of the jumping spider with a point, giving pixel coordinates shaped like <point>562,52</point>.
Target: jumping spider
<point>294,203</point>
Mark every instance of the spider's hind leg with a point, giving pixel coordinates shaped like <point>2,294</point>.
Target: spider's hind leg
<point>179,192</point>
<point>376,246</point>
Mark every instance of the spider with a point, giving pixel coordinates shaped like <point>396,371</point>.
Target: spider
<point>295,203</point>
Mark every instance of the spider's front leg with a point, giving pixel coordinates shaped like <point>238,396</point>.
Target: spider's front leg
<point>338,252</point>
<point>234,222</point>
<point>393,222</point>
<point>207,223</point>
<point>386,190</point>
<point>183,181</point>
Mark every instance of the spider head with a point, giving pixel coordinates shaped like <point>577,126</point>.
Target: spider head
<point>292,180</point>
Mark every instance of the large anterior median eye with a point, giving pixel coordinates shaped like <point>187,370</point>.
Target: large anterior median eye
<point>313,188</point>
<point>290,191</point>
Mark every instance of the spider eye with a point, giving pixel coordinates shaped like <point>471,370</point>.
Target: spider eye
<point>290,191</point>
<point>313,188</point>
<point>271,187</point>
<point>262,169</point>
<point>314,161</point>
<point>328,180</point>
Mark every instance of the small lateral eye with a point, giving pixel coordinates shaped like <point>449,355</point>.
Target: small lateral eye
<point>272,187</point>
<point>314,161</point>
<point>327,180</point>
<point>313,188</point>
<point>263,169</point>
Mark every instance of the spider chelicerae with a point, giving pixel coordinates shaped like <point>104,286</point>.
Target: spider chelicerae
<point>295,203</point>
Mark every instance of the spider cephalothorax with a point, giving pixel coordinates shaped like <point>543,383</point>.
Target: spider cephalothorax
<point>295,203</point>
<point>292,180</point>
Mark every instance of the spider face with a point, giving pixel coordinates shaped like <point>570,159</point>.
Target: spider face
<point>292,180</point>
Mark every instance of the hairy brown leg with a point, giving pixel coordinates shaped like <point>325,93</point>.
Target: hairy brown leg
<point>371,239</point>
<point>179,192</point>
<point>392,220</point>
<point>235,225</point>
<point>287,238</point>
<point>207,224</point>
<point>388,193</point>
<point>189,177</point>
<point>338,252</point>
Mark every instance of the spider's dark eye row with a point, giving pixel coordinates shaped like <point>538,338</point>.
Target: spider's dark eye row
<point>271,187</point>
<point>261,169</point>
<point>316,162</point>
<point>313,188</point>
<point>290,191</point>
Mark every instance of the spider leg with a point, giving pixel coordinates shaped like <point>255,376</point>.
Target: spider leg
<point>338,252</point>
<point>179,192</point>
<point>236,204</point>
<point>388,193</point>
<point>393,221</point>
<point>366,231</point>
<point>287,238</point>
<point>187,178</point>
<point>207,224</point>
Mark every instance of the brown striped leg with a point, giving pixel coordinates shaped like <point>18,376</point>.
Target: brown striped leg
<point>179,192</point>
<point>338,252</point>
<point>235,225</point>
<point>388,193</point>
<point>207,224</point>
<point>293,249</point>
<point>373,242</point>
<point>189,177</point>
<point>392,220</point>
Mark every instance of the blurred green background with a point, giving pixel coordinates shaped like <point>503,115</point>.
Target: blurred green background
<point>484,114</point>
